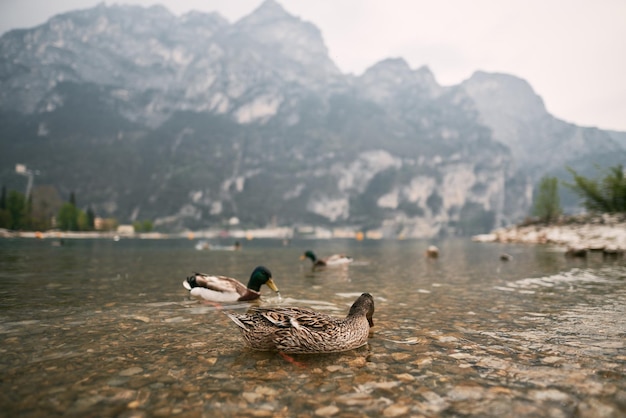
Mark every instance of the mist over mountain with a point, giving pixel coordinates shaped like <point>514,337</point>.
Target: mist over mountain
<point>192,120</point>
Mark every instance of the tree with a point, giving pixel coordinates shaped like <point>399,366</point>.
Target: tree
<point>28,213</point>
<point>143,226</point>
<point>605,195</point>
<point>5,219</point>
<point>5,215</point>
<point>3,198</point>
<point>16,206</point>
<point>46,205</point>
<point>91,219</point>
<point>547,205</point>
<point>82,220</point>
<point>67,220</point>
<point>71,218</point>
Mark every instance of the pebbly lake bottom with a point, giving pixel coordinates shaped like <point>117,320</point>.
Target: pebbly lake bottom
<point>103,328</point>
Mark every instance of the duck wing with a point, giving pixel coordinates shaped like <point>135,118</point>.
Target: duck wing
<point>224,284</point>
<point>297,318</point>
<point>310,332</point>
<point>338,259</point>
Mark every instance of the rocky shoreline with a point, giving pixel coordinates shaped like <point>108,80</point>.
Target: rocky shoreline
<point>578,234</point>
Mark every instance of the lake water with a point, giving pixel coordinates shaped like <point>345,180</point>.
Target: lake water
<point>104,328</point>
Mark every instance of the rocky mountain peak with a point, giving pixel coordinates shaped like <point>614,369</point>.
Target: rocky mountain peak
<point>495,91</point>
<point>393,75</point>
<point>394,67</point>
<point>269,10</point>
<point>201,19</point>
<point>120,15</point>
<point>287,38</point>
<point>518,118</point>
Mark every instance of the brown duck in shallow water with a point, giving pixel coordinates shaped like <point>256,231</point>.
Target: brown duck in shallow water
<point>298,330</point>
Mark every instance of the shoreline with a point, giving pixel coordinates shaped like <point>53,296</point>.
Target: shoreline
<point>576,234</point>
<point>579,234</point>
<point>4,233</point>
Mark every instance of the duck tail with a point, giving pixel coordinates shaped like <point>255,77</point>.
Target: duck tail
<point>190,282</point>
<point>235,318</point>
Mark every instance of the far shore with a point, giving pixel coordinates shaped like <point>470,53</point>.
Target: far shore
<point>4,233</point>
<point>578,234</point>
<point>240,234</point>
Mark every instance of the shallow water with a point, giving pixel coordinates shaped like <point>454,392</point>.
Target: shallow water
<point>104,328</point>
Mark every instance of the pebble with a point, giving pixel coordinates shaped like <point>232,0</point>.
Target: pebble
<point>327,411</point>
<point>401,356</point>
<point>423,362</point>
<point>266,391</point>
<point>251,397</point>
<point>405,377</point>
<point>447,339</point>
<point>141,318</point>
<point>131,371</point>
<point>395,410</point>
<point>463,393</point>
<point>549,395</point>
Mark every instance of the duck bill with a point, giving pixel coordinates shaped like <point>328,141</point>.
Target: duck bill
<point>270,283</point>
<point>303,257</point>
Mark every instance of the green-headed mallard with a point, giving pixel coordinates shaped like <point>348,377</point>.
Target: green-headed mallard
<point>333,260</point>
<point>227,289</point>
<point>298,330</point>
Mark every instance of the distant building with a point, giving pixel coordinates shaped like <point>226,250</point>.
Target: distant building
<point>344,233</point>
<point>105,224</point>
<point>374,234</point>
<point>126,230</point>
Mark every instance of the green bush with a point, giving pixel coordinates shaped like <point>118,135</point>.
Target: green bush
<point>602,195</point>
<point>546,204</point>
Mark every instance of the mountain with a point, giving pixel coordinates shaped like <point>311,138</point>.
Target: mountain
<point>519,119</point>
<point>191,121</point>
<point>542,144</point>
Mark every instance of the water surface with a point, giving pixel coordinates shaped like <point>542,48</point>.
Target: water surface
<point>104,328</point>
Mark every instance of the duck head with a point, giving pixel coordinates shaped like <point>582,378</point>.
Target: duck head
<point>260,276</point>
<point>308,254</point>
<point>364,305</point>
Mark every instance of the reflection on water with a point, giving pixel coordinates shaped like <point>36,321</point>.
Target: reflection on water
<point>105,328</point>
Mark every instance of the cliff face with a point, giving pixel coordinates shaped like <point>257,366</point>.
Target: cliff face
<point>192,120</point>
<point>519,119</point>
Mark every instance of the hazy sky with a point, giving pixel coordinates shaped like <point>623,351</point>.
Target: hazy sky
<point>572,52</point>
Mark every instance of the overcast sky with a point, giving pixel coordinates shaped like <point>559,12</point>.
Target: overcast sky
<point>572,52</point>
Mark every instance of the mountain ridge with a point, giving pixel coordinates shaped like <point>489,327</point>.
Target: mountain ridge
<point>253,120</point>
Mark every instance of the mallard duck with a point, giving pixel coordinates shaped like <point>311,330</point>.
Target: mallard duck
<point>298,330</point>
<point>432,252</point>
<point>333,260</point>
<point>227,289</point>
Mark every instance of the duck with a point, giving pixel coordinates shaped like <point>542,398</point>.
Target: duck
<point>333,260</point>
<point>432,251</point>
<point>506,257</point>
<point>294,330</point>
<point>228,289</point>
